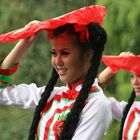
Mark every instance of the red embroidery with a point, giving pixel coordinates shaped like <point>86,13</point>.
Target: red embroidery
<point>8,72</point>
<point>129,123</point>
<point>58,127</point>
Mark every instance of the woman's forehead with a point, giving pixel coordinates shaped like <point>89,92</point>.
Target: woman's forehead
<point>64,40</point>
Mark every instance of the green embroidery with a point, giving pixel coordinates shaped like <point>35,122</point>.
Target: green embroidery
<point>3,85</point>
<point>5,78</point>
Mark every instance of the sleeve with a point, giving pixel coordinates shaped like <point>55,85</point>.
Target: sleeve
<point>23,95</point>
<point>6,76</point>
<point>117,108</point>
<point>94,121</point>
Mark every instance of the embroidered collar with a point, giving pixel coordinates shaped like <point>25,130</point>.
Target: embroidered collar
<point>79,84</point>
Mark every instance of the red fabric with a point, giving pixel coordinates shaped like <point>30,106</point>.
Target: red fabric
<point>82,16</point>
<point>9,71</point>
<point>83,30</point>
<point>129,63</point>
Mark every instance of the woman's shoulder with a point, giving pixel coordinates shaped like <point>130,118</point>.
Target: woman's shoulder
<point>136,104</point>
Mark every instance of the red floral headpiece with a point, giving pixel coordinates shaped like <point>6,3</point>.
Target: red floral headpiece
<point>129,63</point>
<point>80,18</point>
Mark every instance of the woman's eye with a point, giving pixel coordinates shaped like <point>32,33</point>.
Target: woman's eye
<point>131,76</point>
<point>65,53</point>
<point>53,53</point>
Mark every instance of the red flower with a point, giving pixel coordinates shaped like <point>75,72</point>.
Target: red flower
<point>58,127</point>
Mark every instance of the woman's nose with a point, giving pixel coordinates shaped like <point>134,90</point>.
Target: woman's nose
<point>58,60</point>
<point>135,80</point>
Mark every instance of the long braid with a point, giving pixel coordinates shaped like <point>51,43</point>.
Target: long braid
<point>45,95</point>
<point>98,38</point>
<point>125,112</point>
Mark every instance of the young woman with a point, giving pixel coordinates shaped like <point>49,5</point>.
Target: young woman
<point>74,111</point>
<point>127,113</point>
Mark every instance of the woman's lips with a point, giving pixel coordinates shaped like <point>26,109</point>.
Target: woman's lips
<point>61,71</point>
<point>137,89</point>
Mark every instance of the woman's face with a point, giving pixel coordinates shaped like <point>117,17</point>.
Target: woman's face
<point>66,59</point>
<point>135,81</point>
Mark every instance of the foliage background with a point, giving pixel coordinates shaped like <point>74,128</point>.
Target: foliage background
<point>121,23</point>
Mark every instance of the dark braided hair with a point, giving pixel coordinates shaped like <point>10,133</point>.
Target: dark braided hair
<point>125,112</point>
<point>45,95</point>
<point>97,40</point>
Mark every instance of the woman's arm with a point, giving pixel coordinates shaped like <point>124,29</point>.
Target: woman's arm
<point>23,95</point>
<point>107,73</point>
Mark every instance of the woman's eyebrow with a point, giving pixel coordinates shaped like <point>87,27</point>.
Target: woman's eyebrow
<point>63,49</point>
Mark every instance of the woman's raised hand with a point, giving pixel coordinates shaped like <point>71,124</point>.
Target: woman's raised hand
<point>27,42</point>
<point>20,49</point>
<point>126,54</point>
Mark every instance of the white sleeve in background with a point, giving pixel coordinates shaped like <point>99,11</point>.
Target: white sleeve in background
<point>25,96</point>
<point>117,108</point>
<point>95,120</point>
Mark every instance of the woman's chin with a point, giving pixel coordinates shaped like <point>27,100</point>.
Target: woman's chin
<point>63,79</point>
<point>138,93</point>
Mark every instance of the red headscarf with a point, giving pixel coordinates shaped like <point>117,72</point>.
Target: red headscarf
<point>80,17</point>
<point>128,63</point>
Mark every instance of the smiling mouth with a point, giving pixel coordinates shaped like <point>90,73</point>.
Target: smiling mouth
<point>137,89</point>
<point>61,71</point>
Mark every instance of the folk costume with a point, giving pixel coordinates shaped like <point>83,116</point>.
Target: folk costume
<point>57,107</point>
<point>131,129</point>
<point>92,124</point>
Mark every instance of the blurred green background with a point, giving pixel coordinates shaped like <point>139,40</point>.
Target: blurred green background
<point>122,24</point>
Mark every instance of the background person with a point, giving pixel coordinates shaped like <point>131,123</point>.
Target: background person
<point>127,113</point>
